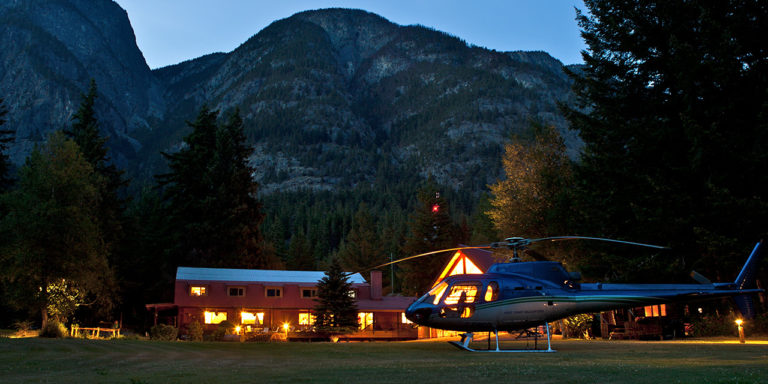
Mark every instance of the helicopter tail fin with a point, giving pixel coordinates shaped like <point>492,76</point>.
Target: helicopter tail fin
<point>746,280</point>
<point>746,306</point>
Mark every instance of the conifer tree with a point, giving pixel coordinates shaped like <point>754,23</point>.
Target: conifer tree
<point>85,132</point>
<point>336,309</point>
<point>6,136</point>
<point>361,248</point>
<point>672,110</point>
<point>300,255</point>
<point>430,229</point>
<point>214,215</point>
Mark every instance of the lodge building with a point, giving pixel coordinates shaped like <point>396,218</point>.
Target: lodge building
<point>272,300</point>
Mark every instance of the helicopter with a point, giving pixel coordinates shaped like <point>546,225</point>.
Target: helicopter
<point>516,295</point>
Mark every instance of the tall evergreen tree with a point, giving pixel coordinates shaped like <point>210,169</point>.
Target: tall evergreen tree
<point>430,229</point>
<point>6,136</point>
<point>85,132</point>
<point>673,101</point>
<point>300,255</point>
<point>214,215</point>
<point>54,236</point>
<point>336,309</point>
<point>362,248</point>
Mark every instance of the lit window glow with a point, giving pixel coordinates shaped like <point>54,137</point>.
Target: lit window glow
<point>492,292</point>
<point>197,291</point>
<point>306,319</point>
<point>403,319</point>
<point>438,292</point>
<point>655,310</point>
<point>364,319</point>
<point>459,264</point>
<point>214,317</point>
<point>251,318</point>
<point>455,293</point>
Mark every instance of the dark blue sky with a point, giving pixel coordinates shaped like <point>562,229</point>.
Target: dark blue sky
<point>171,31</point>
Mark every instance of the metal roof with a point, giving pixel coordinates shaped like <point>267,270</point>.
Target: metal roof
<point>256,275</point>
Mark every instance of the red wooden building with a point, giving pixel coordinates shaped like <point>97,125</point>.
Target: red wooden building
<point>269,300</point>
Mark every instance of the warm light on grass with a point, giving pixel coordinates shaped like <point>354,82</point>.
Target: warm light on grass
<point>577,361</point>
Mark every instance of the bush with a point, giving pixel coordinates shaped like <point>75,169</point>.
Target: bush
<point>54,329</point>
<point>163,332</point>
<point>23,327</point>
<point>195,330</point>
<point>225,328</point>
<point>578,326</point>
<point>714,325</point>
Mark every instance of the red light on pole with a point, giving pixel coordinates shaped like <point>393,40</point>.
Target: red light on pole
<point>435,208</point>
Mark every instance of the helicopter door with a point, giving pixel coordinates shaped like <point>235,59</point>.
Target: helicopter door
<point>460,300</point>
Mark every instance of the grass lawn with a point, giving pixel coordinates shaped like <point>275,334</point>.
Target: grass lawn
<point>34,360</point>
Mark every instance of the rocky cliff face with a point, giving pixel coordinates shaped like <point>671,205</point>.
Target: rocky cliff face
<point>51,50</point>
<point>335,97</point>
<point>330,98</point>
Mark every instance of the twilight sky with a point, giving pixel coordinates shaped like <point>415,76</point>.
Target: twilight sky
<point>171,31</point>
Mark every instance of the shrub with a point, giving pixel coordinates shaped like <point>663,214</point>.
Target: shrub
<point>163,332</point>
<point>54,329</point>
<point>225,328</point>
<point>716,325</point>
<point>195,330</point>
<point>23,327</point>
<point>578,325</point>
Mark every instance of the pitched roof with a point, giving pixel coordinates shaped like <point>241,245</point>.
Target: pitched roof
<point>481,257</point>
<point>256,275</point>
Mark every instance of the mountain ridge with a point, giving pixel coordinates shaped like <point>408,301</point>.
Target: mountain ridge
<point>329,98</point>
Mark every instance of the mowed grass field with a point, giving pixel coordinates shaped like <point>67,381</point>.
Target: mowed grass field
<point>34,360</point>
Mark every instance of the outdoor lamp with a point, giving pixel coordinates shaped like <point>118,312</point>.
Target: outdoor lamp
<point>741,331</point>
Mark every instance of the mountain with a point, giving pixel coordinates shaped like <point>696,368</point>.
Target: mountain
<point>51,50</point>
<point>330,98</point>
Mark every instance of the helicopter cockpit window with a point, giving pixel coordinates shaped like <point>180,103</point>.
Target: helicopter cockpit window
<point>492,291</point>
<point>470,290</point>
<point>437,292</point>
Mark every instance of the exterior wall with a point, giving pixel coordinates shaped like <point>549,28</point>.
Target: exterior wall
<point>280,310</point>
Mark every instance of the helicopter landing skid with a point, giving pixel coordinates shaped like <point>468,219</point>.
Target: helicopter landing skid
<point>466,338</point>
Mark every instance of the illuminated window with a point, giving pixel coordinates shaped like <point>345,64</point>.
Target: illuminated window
<point>655,310</point>
<point>437,292</point>
<point>470,290</point>
<point>492,291</point>
<point>364,319</point>
<point>403,319</point>
<point>459,265</point>
<point>308,293</point>
<point>274,292</point>
<point>236,291</point>
<point>214,317</point>
<point>352,293</point>
<point>198,290</point>
<point>252,318</point>
<point>306,319</point>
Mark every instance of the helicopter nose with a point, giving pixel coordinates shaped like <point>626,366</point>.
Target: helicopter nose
<point>417,315</point>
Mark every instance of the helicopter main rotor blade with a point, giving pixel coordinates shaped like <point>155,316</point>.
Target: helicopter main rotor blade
<point>422,255</point>
<point>562,238</point>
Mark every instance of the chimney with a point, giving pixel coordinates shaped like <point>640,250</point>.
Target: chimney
<point>375,285</point>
